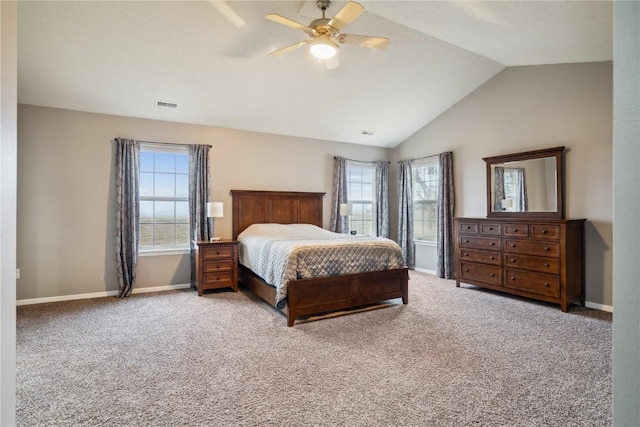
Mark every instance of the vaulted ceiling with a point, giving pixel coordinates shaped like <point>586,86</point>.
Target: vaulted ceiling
<point>210,58</point>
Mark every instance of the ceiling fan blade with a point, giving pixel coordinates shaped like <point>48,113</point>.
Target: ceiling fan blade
<point>289,48</point>
<point>364,41</point>
<point>347,14</point>
<point>289,23</point>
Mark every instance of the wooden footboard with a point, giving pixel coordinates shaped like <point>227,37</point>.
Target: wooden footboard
<point>326,294</point>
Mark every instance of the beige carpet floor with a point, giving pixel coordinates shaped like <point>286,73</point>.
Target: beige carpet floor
<point>451,357</point>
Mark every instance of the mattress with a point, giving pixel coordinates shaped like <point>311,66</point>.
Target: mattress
<point>279,253</point>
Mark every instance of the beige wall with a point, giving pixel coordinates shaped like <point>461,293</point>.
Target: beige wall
<point>66,229</point>
<point>65,172</point>
<point>528,108</point>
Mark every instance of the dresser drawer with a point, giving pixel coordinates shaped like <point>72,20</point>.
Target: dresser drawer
<point>216,252</point>
<point>528,262</point>
<point>480,256</point>
<point>481,272</point>
<point>537,283</point>
<point>516,230</point>
<point>213,265</point>
<point>528,247</point>
<point>545,231</point>
<point>490,243</point>
<point>491,229</point>
<point>468,227</point>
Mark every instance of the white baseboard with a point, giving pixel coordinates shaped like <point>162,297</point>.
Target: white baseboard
<point>597,306</point>
<point>99,294</point>
<point>424,270</point>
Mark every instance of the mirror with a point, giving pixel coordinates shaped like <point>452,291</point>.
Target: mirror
<point>526,185</point>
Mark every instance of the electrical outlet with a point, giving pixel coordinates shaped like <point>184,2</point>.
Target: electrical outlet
<point>17,273</point>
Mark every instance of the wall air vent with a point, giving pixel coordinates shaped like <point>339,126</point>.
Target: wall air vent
<point>165,104</point>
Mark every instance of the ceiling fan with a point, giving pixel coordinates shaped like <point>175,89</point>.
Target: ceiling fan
<point>325,33</point>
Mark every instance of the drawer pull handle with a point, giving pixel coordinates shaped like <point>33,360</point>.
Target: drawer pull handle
<point>543,232</point>
<point>515,230</point>
<point>490,228</point>
<point>546,248</point>
<point>546,284</point>
<point>492,275</point>
<point>468,227</point>
<point>546,264</point>
<point>465,254</point>
<point>492,243</point>
<point>491,257</point>
<point>466,241</point>
<point>466,269</point>
<point>512,260</point>
<point>512,278</point>
<point>513,245</point>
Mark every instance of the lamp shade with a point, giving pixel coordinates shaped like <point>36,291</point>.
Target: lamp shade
<point>215,209</point>
<point>345,209</point>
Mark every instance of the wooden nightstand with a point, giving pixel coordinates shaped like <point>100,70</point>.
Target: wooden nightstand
<point>217,265</point>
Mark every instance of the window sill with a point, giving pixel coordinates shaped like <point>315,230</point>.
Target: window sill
<point>161,252</point>
<point>425,243</point>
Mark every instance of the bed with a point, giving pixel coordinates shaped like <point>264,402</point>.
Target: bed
<point>316,295</point>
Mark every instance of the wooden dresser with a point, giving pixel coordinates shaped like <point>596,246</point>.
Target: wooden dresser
<point>541,259</point>
<point>217,265</point>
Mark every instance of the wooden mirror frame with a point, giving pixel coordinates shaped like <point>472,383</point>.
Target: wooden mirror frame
<point>528,155</point>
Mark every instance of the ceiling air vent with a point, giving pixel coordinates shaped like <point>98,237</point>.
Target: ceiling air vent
<point>166,104</point>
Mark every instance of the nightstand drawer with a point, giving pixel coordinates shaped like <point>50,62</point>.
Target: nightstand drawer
<point>218,280</point>
<point>217,252</point>
<point>213,265</point>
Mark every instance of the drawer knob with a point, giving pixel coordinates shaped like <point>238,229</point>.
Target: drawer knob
<point>513,245</point>
<point>543,232</point>
<point>466,241</point>
<point>465,254</point>
<point>492,243</point>
<point>490,228</point>
<point>546,248</point>
<point>492,275</point>
<point>468,227</point>
<point>515,230</point>
<point>546,264</point>
<point>491,257</point>
<point>546,284</point>
<point>466,269</point>
<point>512,260</point>
<point>512,278</point>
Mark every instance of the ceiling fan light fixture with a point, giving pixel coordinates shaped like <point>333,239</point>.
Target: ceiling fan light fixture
<point>323,48</point>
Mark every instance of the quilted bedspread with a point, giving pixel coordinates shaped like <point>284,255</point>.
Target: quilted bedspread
<point>279,253</point>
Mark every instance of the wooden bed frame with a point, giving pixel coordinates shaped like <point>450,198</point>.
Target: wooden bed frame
<point>317,295</point>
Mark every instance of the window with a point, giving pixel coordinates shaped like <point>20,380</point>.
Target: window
<point>164,198</point>
<point>513,188</point>
<point>425,198</point>
<point>361,196</point>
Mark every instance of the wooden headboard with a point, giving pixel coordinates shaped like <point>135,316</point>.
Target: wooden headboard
<point>280,207</point>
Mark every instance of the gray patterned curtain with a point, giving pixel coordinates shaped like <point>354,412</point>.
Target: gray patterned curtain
<point>338,222</point>
<point>523,198</point>
<point>446,205</point>
<point>382,199</point>
<point>498,191</point>
<point>127,213</point>
<point>199,190</point>
<point>405,212</point>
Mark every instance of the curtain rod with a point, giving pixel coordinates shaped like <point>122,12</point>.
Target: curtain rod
<point>360,161</point>
<point>165,143</point>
